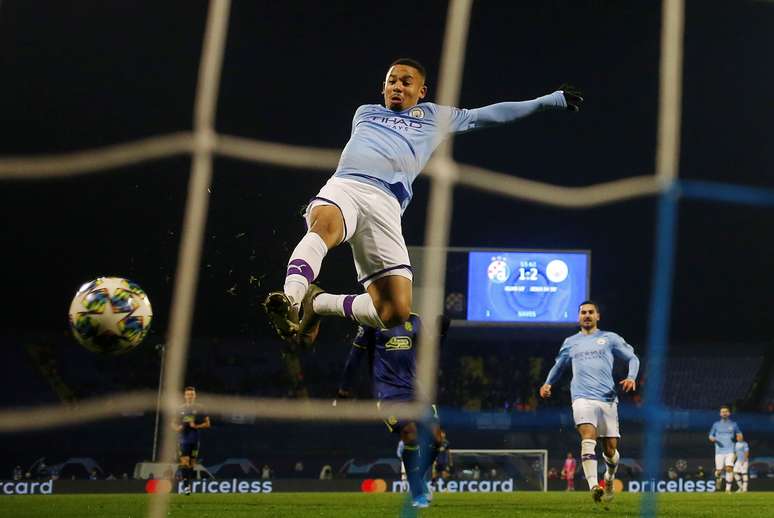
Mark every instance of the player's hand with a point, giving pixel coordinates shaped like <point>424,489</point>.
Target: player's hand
<point>629,385</point>
<point>712,439</point>
<point>545,391</point>
<point>572,96</point>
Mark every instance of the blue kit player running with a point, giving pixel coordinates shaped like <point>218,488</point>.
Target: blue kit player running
<point>391,355</point>
<point>362,203</point>
<point>742,464</point>
<point>188,421</point>
<point>723,433</point>
<point>594,400</point>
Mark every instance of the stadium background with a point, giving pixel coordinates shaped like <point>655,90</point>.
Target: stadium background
<point>85,75</point>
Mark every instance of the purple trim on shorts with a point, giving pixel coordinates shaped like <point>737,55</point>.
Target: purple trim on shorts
<point>343,219</point>
<point>406,266</point>
<point>348,300</point>
<point>301,267</point>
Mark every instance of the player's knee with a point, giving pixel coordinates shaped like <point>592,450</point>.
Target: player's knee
<point>327,223</point>
<point>393,313</point>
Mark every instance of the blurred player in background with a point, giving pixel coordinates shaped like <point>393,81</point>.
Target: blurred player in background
<point>443,461</point>
<point>188,421</point>
<point>568,471</point>
<point>363,202</point>
<point>742,464</point>
<point>722,434</point>
<point>594,401</point>
<point>391,355</point>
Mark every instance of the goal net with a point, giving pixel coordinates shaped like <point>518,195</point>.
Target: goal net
<point>497,471</point>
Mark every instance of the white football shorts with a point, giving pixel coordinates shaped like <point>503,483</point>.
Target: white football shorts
<point>602,414</point>
<point>724,459</point>
<point>372,227</point>
<point>741,466</point>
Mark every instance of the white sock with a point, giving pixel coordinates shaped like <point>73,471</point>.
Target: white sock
<point>738,478</point>
<point>745,480</point>
<point>304,266</point>
<point>589,461</point>
<point>729,480</point>
<point>356,307</point>
<point>612,464</point>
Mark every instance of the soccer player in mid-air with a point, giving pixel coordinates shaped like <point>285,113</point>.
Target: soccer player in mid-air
<point>187,423</point>
<point>391,355</point>
<point>594,401</point>
<point>722,434</point>
<point>742,464</point>
<point>362,203</point>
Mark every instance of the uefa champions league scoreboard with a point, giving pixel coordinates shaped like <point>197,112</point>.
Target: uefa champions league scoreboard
<point>527,286</point>
<point>504,287</point>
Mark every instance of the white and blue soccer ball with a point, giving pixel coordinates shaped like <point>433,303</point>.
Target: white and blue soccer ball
<point>110,315</point>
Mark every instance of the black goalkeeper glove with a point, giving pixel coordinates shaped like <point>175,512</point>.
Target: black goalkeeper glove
<point>572,97</point>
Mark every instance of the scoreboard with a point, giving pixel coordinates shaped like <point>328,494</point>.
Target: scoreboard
<point>524,286</point>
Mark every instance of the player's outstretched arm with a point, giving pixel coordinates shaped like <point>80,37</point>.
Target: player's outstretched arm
<point>505,112</point>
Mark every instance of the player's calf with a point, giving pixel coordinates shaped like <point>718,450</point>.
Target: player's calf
<point>589,463</point>
<point>729,478</point>
<point>611,464</point>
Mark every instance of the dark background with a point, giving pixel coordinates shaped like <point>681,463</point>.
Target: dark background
<point>86,74</point>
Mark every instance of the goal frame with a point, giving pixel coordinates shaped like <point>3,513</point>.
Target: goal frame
<point>544,453</point>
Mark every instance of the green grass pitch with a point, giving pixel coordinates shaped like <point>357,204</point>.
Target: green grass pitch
<point>345,505</point>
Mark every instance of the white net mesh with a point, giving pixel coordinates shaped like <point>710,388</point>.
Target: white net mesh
<point>204,142</point>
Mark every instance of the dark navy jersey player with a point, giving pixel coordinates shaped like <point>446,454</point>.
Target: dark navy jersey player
<point>188,421</point>
<point>391,355</point>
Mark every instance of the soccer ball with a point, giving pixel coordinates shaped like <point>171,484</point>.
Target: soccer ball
<point>110,315</point>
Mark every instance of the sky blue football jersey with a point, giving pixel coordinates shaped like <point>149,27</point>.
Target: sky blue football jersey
<point>592,357</point>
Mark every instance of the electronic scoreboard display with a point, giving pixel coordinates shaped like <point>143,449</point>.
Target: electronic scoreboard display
<point>527,287</point>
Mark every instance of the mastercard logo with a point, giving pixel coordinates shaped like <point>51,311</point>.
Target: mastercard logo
<point>617,485</point>
<point>158,486</point>
<point>373,485</point>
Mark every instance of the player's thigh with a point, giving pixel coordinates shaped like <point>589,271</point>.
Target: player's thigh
<point>607,424</point>
<point>729,460</point>
<point>378,247</point>
<point>585,415</point>
<point>720,461</point>
<point>333,213</point>
<point>327,222</point>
